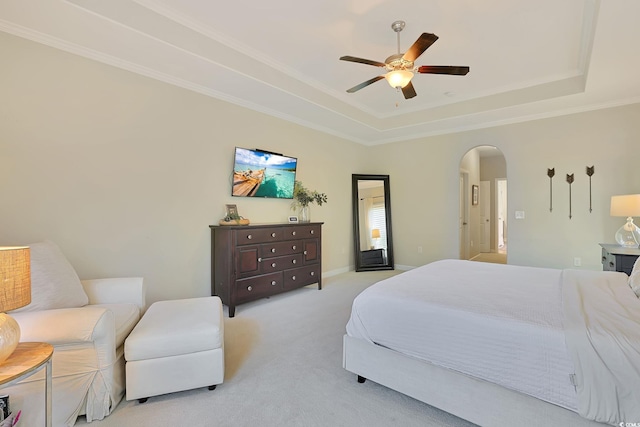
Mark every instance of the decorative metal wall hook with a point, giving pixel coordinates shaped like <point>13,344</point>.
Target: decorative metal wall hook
<point>550,173</point>
<point>590,171</point>
<point>570,181</point>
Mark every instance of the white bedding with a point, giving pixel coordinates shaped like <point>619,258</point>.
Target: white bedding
<point>602,327</point>
<point>519,327</point>
<point>499,323</point>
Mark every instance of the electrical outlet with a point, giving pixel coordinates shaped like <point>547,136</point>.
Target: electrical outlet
<point>577,261</point>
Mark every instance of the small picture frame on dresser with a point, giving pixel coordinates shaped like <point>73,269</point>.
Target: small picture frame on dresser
<point>293,220</point>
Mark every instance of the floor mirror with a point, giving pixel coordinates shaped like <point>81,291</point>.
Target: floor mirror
<point>372,222</point>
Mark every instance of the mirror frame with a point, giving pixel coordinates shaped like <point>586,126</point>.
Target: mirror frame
<point>355,178</point>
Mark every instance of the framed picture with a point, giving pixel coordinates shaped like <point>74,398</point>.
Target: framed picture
<point>232,211</point>
<point>474,194</point>
<point>293,219</point>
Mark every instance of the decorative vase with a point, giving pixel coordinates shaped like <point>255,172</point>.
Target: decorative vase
<point>305,215</point>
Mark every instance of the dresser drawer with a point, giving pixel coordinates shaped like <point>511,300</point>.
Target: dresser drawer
<point>252,236</point>
<point>258,286</point>
<point>280,248</point>
<point>280,263</point>
<point>301,232</point>
<point>297,277</point>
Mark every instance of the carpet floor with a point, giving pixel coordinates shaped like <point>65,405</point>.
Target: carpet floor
<point>284,368</point>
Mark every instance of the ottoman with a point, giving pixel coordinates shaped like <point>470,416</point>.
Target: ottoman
<point>177,345</point>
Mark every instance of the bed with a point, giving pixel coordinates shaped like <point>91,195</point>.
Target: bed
<point>501,344</point>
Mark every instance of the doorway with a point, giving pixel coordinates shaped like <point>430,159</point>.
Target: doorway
<point>483,221</point>
<point>501,215</point>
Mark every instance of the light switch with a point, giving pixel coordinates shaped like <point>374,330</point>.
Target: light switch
<point>519,214</point>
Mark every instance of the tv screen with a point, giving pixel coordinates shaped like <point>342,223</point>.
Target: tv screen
<point>263,174</point>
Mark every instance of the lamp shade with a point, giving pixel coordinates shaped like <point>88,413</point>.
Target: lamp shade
<point>375,233</point>
<point>15,278</point>
<point>398,78</point>
<point>15,292</point>
<point>626,205</point>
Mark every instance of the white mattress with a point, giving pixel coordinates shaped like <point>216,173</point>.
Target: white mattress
<point>499,323</point>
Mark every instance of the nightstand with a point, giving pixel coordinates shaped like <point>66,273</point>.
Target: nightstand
<point>373,257</point>
<point>26,360</point>
<point>618,258</point>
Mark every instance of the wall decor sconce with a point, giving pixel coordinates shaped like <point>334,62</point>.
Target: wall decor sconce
<point>550,173</point>
<point>590,172</point>
<point>570,181</point>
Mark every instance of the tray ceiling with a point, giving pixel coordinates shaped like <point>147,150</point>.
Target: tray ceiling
<point>528,60</point>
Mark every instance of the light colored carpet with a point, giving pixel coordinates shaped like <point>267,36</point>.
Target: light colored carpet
<point>284,368</point>
<point>493,257</point>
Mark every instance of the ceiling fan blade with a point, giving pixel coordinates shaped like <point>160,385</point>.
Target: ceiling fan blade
<point>362,61</point>
<point>365,84</point>
<point>443,69</point>
<point>423,43</point>
<point>408,91</point>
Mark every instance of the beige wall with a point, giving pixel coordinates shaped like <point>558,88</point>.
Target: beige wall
<point>126,173</point>
<point>424,186</point>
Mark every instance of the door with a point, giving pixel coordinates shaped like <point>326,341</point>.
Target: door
<point>462,216</point>
<point>484,204</point>
<point>501,212</point>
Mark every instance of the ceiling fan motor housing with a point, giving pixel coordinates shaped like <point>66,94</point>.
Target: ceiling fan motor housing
<point>397,62</point>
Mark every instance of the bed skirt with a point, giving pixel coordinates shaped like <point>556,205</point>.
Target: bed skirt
<point>469,398</point>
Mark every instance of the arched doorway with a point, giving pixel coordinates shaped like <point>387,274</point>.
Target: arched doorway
<point>483,205</point>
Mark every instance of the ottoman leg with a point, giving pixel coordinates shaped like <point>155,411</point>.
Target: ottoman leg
<point>212,387</point>
<point>144,399</point>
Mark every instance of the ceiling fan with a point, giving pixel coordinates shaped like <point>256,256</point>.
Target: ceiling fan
<point>401,67</point>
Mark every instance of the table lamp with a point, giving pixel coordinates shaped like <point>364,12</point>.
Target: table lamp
<point>15,292</point>
<point>375,234</point>
<point>629,206</point>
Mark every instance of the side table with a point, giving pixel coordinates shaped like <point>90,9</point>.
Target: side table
<point>26,360</point>
<point>618,258</point>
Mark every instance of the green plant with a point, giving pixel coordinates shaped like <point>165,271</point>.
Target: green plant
<point>303,196</point>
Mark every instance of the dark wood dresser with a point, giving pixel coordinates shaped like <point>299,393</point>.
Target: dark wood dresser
<point>618,258</point>
<point>249,262</point>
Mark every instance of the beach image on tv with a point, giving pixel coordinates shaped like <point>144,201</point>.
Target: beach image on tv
<point>258,174</point>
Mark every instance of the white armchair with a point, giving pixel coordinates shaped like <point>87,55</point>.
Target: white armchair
<point>88,363</point>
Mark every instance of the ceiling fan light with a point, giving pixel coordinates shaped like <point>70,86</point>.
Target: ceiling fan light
<point>399,78</point>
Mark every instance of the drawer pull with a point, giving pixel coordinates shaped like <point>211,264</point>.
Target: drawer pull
<point>273,283</point>
<point>273,250</point>
<point>311,231</point>
<point>249,236</point>
<point>273,264</point>
<point>259,259</point>
<point>293,233</point>
<point>273,234</point>
<point>293,247</point>
<point>249,288</point>
<point>293,277</point>
<point>305,252</point>
<point>313,273</point>
<point>293,261</point>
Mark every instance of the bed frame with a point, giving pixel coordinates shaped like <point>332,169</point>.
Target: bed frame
<point>472,399</point>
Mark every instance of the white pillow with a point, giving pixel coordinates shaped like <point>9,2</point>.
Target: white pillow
<point>54,282</point>
<point>634,279</point>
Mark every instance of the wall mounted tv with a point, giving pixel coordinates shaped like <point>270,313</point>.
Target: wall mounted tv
<point>258,173</point>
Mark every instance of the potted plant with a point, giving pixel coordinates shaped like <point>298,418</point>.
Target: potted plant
<point>303,197</point>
